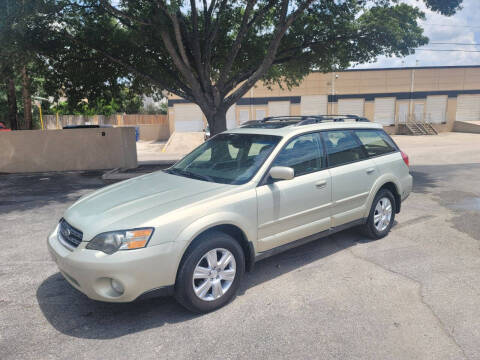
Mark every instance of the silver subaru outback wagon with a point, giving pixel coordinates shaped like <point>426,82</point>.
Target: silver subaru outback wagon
<point>193,229</point>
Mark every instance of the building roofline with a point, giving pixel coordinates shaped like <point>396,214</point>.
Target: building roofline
<point>411,68</point>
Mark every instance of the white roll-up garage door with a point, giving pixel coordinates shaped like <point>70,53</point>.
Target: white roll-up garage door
<point>350,107</point>
<point>188,118</point>
<point>244,116</point>
<point>385,111</point>
<point>231,117</point>
<point>314,104</point>
<point>260,114</point>
<point>278,108</point>
<point>436,112</point>
<point>468,108</point>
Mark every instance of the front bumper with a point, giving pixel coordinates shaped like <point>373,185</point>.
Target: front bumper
<point>138,271</point>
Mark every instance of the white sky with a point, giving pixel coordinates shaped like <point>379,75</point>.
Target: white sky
<point>463,27</point>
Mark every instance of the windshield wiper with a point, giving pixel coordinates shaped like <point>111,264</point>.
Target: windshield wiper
<point>189,174</point>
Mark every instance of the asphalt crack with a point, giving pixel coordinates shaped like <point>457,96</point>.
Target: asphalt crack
<point>414,221</point>
<point>420,295</point>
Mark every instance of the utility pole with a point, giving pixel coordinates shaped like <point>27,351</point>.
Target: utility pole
<point>334,76</point>
<point>410,111</point>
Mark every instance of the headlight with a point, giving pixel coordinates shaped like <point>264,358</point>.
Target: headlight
<point>113,241</point>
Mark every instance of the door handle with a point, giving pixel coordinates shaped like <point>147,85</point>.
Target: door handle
<point>321,184</point>
<point>371,170</point>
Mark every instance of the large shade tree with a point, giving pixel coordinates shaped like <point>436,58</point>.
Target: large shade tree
<point>13,55</point>
<point>212,52</point>
<point>37,60</point>
<point>22,70</point>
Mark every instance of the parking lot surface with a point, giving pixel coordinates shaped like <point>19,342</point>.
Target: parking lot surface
<point>412,295</point>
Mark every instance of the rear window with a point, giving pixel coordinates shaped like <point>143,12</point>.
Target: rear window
<point>376,142</point>
<point>342,147</point>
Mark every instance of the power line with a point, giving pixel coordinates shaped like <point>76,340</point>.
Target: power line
<point>459,26</point>
<point>449,50</point>
<point>450,43</point>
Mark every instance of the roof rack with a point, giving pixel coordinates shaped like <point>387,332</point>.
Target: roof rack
<point>331,118</point>
<point>287,118</point>
<point>299,120</point>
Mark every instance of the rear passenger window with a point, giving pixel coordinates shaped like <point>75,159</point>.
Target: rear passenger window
<point>303,154</point>
<point>342,147</point>
<point>376,142</point>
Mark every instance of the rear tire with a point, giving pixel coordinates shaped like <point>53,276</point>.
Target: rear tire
<point>382,215</point>
<point>210,272</point>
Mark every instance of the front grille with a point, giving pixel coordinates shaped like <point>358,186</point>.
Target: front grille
<point>69,234</point>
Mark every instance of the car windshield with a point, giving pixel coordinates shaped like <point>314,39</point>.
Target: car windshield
<point>227,158</point>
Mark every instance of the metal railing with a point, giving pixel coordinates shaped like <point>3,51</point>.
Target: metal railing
<point>419,126</point>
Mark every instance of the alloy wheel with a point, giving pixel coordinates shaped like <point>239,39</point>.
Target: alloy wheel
<point>382,214</point>
<point>214,274</point>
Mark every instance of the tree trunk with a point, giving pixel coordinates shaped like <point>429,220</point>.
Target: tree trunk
<point>218,124</point>
<point>27,99</point>
<point>217,121</point>
<point>12,103</point>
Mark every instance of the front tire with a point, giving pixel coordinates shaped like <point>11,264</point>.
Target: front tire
<point>382,215</point>
<point>210,272</point>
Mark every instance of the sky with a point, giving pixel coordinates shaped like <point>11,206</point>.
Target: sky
<point>463,27</point>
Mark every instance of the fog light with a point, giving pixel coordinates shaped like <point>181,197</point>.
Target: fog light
<point>117,286</point>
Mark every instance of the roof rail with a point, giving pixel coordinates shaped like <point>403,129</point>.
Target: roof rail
<point>331,118</point>
<point>305,119</point>
<point>287,118</point>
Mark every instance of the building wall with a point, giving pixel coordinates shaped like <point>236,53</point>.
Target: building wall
<point>407,85</point>
<point>63,150</point>
<point>153,132</point>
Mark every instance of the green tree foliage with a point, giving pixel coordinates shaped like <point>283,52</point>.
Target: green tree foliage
<point>14,55</point>
<point>124,102</point>
<point>32,53</point>
<point>212,52</point>
<point>36,87</point>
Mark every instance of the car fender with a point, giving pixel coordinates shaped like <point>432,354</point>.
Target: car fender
<point>220,218</point>
<point>382,180</point>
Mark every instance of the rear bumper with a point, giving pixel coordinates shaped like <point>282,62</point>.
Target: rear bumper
<point>407,185</point>
<point>152,269</point>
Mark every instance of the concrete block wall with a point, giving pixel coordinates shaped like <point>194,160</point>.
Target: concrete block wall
<point>63,150</point>
<point>153,132</point>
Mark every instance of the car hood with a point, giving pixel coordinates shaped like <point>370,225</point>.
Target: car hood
<point>137,202</point>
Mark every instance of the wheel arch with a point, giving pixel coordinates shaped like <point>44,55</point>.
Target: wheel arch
<point>394,190</point>
<point>190,236</point>
<point>239,235</point>
<point>385,182</point>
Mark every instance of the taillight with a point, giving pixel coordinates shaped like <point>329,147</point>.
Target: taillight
<point>405,158</point>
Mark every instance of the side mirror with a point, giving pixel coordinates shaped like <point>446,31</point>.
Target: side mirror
<point>282,173</point>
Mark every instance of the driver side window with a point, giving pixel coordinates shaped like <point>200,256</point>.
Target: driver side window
<point>304,154</point>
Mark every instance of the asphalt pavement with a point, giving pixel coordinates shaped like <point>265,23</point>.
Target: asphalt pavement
<point>412,295</point>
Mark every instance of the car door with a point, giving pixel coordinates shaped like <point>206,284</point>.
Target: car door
<point>353,175</point>
<point>289,210</point>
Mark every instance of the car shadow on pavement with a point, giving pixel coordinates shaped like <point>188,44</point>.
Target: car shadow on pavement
<point>72,313</point>
<point>428,177</point>
<point>296,258</point>
<point>23,192</point>
<point>423,182</point>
